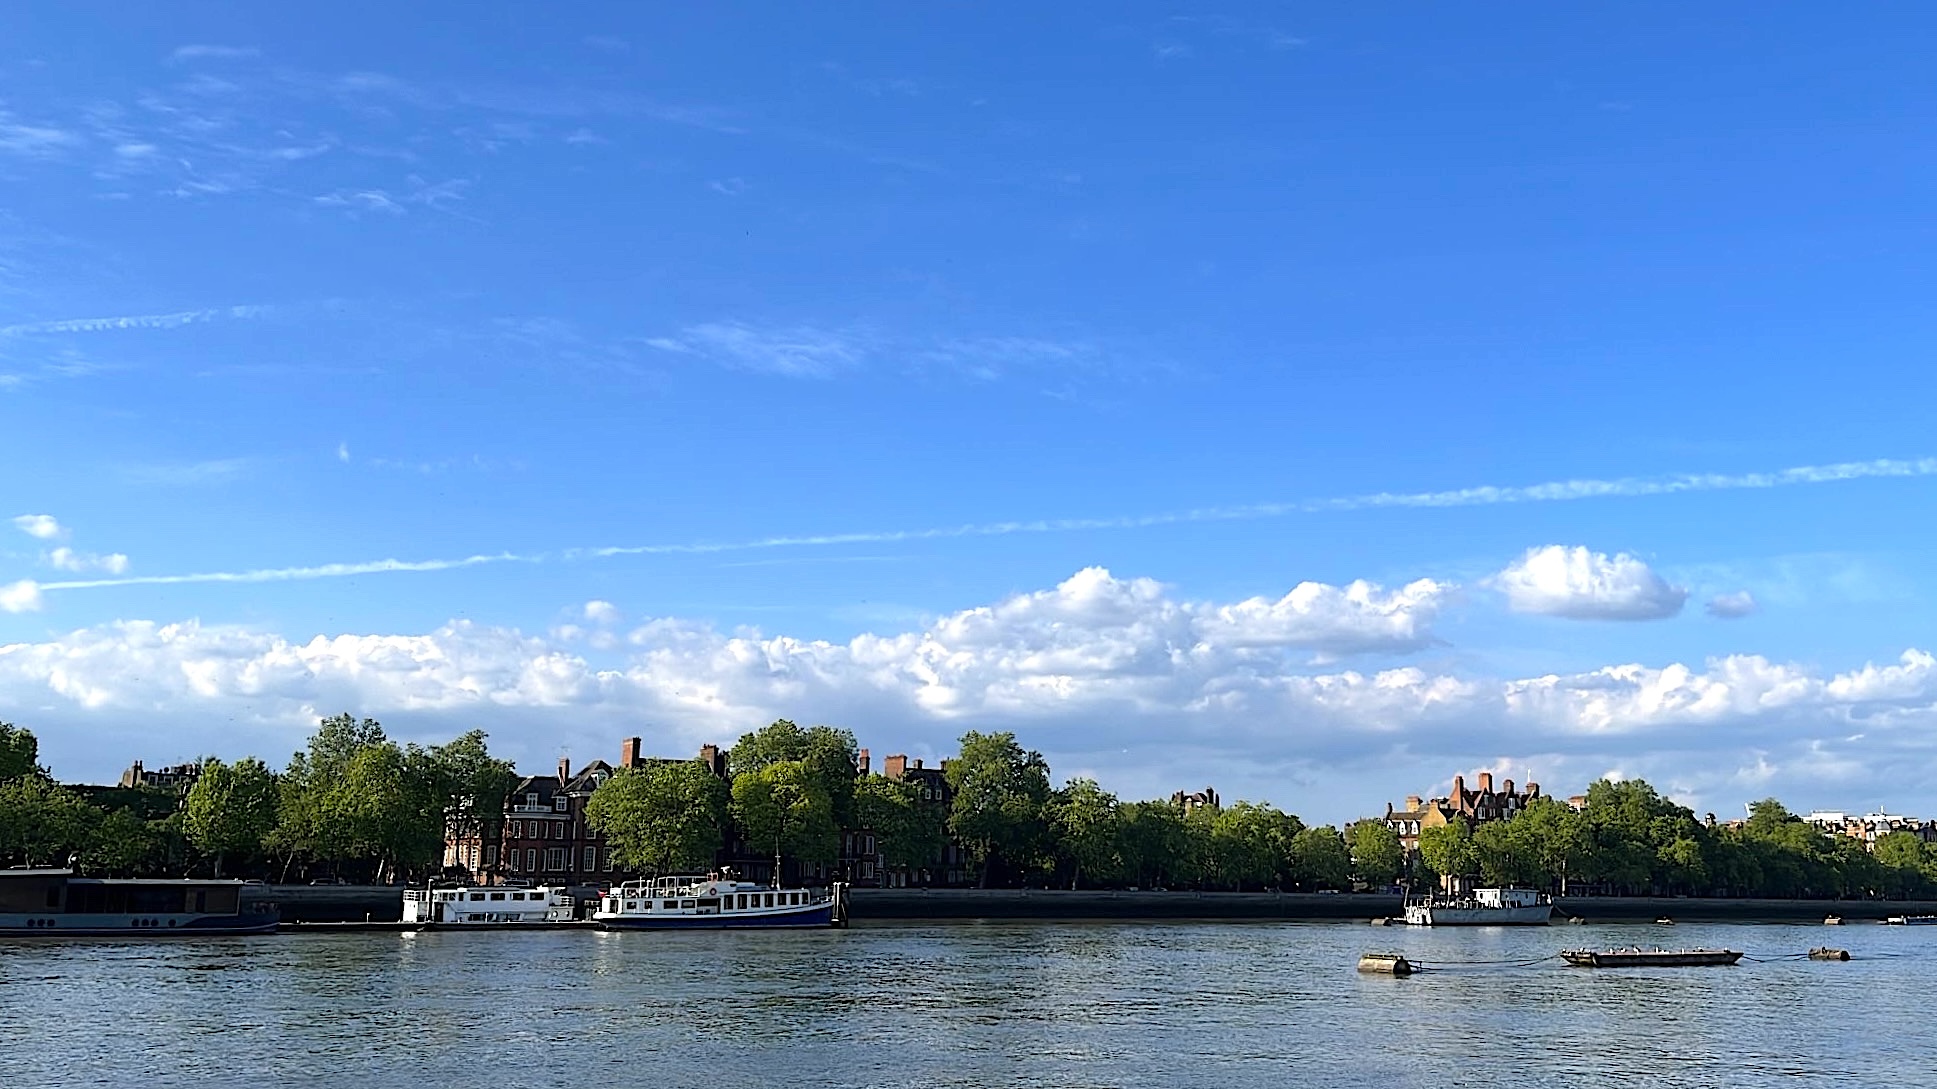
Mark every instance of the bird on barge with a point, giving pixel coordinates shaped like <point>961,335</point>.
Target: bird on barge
<point>718,901</point>
<point>46,902</point>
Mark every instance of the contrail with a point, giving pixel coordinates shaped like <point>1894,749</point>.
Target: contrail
<point>133,321</point>
<point>1482,496</point>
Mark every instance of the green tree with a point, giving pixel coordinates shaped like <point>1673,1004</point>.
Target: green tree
<point>1900,857</point>
<point>1250,844</point>
<point>1321,858</point>
<point>467,783</point>
<point>786,806</point>
<point>1378,856</point>
<point>1449,849</point>
<point>315,818</point>
<point>1154,843</point>
<point>1087,829</point>
<point>663,818</point>
<point>1000,792</point>
<point>19,754</point>
<point>42,824</point>
<point>231,808</point>
<point>907,828</point>
<point>831,755</point>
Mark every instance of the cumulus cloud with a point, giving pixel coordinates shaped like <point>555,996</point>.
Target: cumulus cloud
<point>1732,606</point>
<point>66,559</point>
<point>1117,677</point>
<point>1584,585</point>
<point>20,597</point>
<point>601,612</point>
<point>44,526</point>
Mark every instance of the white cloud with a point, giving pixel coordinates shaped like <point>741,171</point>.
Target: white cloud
<point>214,52</point>
<point>1112,675</point>
<point>800,352</point>
<point>1574,582</point>
<point>1732,606</point>
<point>44,526</point>
<point>20,597</point>
<point>601,612</point>
<point>343,452</point>
<point>66,559</point>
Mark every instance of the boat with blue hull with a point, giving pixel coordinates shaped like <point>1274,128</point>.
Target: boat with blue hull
<point>54,903</point>
<point>718,902</point>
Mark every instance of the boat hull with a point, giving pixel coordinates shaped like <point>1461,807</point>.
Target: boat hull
<point>1687,958</point>
<point>1535,915</point>
<point>147,925</point>
<point>813,915</point>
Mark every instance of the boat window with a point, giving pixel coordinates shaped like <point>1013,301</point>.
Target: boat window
<point>769,899</point>
<point>670,904</point>
<point>685,903</point>
<point>477,896</point>
<point>500,896</point>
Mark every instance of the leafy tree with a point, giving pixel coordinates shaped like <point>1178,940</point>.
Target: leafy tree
<point>1321,858</point>
<point>1900,857</point>
<point>42,824</point>
<point>1449,849</point>
<point>1088,831</point>
<point>785,805</point>
<point>469,783</point>
<point>663,818</point>
<point>1155,844</point>
<point>315,818</point>
<point>907,828</point>
<point>1001,791</point>
<point>831,755</point>
<point>231,808</point>
<point>1250,844</point>
<point>19,754</point>
<point>1378,856</point>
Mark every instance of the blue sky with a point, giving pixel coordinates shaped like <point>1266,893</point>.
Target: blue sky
<point>1164,293</point>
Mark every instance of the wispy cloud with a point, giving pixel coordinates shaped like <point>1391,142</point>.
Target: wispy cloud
<point>43,526</point>
<point>214,52</point>
<point>798,352</point>
<point>212,471</point>
<point>132,321</point>
<point>66,559</point>
<point>1485,495</point>
<point>34,141</point>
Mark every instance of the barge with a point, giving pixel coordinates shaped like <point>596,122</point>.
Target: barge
<point>54,903</point>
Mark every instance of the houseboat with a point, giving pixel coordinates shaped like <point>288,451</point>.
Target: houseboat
<point>495,906</point>
<point>1481,907</point>
<point>718,901</point>
<point>42,903</point>
<point>1649,958</point>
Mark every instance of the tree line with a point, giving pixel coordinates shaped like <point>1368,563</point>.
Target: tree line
<point>1630,840</point>
<point>352,805</point>
<point>794,792</point>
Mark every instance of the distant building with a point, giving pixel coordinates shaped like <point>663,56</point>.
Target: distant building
<point>1475,807</point>
<point>180,777</point>
<point>950,866</point>
<point>1870,827</point>
<point>1189,800</point>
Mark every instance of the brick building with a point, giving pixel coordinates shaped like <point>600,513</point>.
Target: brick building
<point>1475,807</point>
<point>179,777</point>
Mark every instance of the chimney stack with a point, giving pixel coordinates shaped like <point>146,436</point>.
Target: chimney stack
<point>714,759</point>
<point>1486,782</point>
<point>1459,791</point>
<point>629,753</point>
<point>564,770</point>
<point>894,767</point>
<point>1507,788</point>
<point>1412,803</point>
<point>1533,790</point>
<point>862,765</point>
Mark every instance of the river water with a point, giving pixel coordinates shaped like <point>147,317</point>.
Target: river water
<point>966,1004</point>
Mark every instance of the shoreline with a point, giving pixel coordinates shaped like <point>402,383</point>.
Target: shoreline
<point>356,904</point>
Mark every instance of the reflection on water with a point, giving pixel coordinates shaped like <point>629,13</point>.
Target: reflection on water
<point>1223,1004</point>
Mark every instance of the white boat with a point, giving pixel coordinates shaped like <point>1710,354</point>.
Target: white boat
<point>1481,907</point>
<point>1911,920</point>
<point>53,903</point>
<point>494,906</point>
<point>718,901</point>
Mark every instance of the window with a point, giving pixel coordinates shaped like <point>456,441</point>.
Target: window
<point>561,804</point>
<point>769,899</point>
<point>558,858</point>
<point>669,904</point>
<point>477,896</point>
<point>591,859</point>
<point>513,832</point>
<point>686,903</point>
<point>608,862</point>
<point>497,896</point>
<point>531,860</point>
<point>490,854</point>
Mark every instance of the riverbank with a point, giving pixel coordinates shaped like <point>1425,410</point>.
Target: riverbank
<point>380,904</point>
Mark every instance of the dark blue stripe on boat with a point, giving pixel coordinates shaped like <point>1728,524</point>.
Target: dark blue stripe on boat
<point>818,915</point>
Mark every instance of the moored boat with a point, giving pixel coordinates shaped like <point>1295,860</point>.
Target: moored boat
<point>718,901</point>
<point>1911,920</point>
<point>48,902</point>
<point>494,906</point>
<point>1649,958</point>
<point>1481,907</point>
